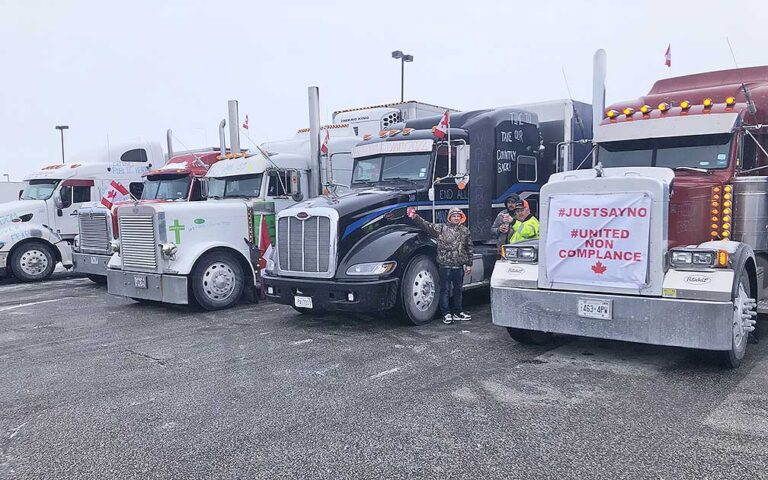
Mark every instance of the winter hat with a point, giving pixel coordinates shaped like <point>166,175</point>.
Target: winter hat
<point>456,210</point>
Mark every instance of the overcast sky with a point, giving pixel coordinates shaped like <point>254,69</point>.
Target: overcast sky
<point>130,70</point>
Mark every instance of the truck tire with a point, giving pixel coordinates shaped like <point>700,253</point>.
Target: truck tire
<point>32,262</point>
<point>420,290</point>
<point>217,281</point>
<point>98,279</point>
<point>743,305</point>
<point>529,337</point>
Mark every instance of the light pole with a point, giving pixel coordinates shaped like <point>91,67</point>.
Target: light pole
<point>61,129</point>
<point>403,58</point>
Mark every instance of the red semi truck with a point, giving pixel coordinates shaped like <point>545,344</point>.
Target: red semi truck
<point>181,179</point>
<point>665,240</point>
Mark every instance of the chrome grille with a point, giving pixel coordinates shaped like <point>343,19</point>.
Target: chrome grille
<point>94,232</point>
<point>138,242</point>
<point>304,246</point>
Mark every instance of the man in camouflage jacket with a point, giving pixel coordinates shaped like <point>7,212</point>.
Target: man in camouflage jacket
<point>454,257</point>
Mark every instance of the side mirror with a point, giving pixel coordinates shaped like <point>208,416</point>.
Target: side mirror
<point>203,187</point>
<point>297,196</point>
<point>57,201</point>
<point>21,192</point>
<point>462,160</point>
<point>431,194</point>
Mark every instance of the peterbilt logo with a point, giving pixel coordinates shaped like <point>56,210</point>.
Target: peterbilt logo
<point>302,215</point>
<point>697,279</point>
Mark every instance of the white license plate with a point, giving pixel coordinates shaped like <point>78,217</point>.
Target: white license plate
<point>593,308</point>
<point>140,281</point>
<point>302,302</point>
<point>94,260</point>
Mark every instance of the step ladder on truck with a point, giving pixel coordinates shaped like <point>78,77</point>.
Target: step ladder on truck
<point>664,240</point>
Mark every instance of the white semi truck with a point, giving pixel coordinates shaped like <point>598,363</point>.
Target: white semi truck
<point>211,252</point>
<point>38,229</point>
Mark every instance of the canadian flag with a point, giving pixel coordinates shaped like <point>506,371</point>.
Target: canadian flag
<point>441,129</point>
<point>115,193</point>
<point>265,242</point>
<point>245,123</point>
<point>324,147</point>
<point>668,56</point>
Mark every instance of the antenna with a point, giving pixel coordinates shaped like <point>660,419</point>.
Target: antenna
<point>747,96</point>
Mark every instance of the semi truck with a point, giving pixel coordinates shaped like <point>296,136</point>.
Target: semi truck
<point>664,240</point>
<point>211,252</point>
<point>357,252</point>
<point>37,230</point>
<point>180,179</point>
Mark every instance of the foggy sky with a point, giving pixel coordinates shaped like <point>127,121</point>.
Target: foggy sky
<point>130,70</point>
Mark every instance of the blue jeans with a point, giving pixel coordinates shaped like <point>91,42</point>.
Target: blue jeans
<point>451,280</point>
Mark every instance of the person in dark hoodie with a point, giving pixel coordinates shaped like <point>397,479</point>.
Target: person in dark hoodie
<point>504,220</point>
<point>454,257</point>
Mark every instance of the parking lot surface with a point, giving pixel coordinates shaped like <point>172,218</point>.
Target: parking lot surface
<point>95,386</point>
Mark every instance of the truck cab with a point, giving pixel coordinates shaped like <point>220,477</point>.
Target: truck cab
<point>358,252</point>
<point>688,272</point>
<point>37,231</point>
<point>181,179</point>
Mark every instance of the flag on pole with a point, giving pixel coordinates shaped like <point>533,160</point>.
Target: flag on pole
<point>265,242</point>
<point>245,123</point>
<point>668,56</point>
<point>441,129</point>
<point>324,147</point>
<point>115,193</point>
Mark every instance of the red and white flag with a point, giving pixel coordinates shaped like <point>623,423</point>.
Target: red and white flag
<point>115,193</point>
<point>265,243</point>
<point>668,56</point>
<point>441,129</point>
<point>324,147</point>
<point>245,123</point>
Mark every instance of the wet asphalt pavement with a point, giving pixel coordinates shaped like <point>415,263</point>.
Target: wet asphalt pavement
<point>95,386</point>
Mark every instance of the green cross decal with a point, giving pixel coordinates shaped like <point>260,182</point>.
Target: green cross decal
<point>176,228</point>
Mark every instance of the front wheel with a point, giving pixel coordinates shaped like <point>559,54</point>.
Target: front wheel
<point>742,323</point>
<point>217,281</point>
<point>420,290</point>
<point>32,262</point>
<point>529,337</point>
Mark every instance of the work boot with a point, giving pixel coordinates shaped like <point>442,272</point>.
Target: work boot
<point>448,319</point>
<point>462,317</point>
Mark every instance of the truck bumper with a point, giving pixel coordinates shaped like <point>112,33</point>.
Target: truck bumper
<point>159,287</point>
<point>90,263</point>
<point>658,321</point>
<point>370,296</point>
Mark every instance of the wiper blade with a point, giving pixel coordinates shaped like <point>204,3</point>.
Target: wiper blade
<point>692,169</point>
<point>399,179</point>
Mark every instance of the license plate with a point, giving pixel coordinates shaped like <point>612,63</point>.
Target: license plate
<point>140,281</point>
<point>593,308</point>
<point>302,302</point>
<point>94,261</point>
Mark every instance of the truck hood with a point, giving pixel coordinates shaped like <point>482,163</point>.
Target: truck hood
<point>20,208</point>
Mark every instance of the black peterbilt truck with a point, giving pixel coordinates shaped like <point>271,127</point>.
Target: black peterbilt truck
<point>358,252</point>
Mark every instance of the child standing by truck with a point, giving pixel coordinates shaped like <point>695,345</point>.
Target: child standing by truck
<point>454,258</point>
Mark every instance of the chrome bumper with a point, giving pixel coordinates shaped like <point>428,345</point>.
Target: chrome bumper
<point>91,263</point>
<point>159,287</point>
<point>657,321</point>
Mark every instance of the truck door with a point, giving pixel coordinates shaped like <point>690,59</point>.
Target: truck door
<point>284,187</point>
<point>72,194</point>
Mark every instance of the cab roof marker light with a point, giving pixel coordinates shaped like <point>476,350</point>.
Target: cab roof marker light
<point>685,104</point>
<point>707,103</point>
<point>629,111</point>
<point>611,114</point>
<point>664,106</point>
<point>407,131</point>
<point>383,133</point>
<point>646,109</point>
<point>367,136</point>
<point>730,101</point>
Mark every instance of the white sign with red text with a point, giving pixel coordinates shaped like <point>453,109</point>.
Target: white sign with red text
<point>599,239</point>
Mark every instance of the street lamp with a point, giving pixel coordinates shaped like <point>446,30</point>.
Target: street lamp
<point>61,129</point>
<point>403,58</point>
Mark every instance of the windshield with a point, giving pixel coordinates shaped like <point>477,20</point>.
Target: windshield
<point>247,186</point>
<point>706,151</point>
<point>38,189</point>
<point>411,166</point>
<point>166,187</point>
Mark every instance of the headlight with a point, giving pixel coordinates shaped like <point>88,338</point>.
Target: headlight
<point>77,242</point>
<point>373,268</point>
<point>114,245</point>
<point>169,249</point>
<point>519,254</point>
<point>697,258</point>
<point>270,264</point>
